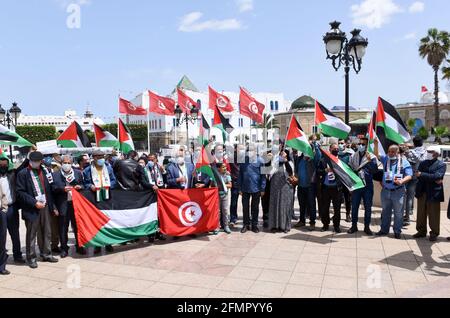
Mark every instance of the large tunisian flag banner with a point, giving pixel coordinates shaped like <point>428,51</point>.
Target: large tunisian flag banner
<point>187,212</point>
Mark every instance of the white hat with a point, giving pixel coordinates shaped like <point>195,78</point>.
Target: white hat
<point>435,149</point>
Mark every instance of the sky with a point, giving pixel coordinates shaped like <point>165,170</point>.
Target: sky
<point>52,58</point>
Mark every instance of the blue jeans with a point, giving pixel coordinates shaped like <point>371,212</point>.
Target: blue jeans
<point>234,205</point>
<point>366,194</point>
<point>392,202</point>
<point>13,229</point>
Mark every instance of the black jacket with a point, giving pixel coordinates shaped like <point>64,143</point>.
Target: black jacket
<point>128,174</point>
<point>432,171</point>
<point>322,172</point>
<point>26,195</point>
<point>59,193</point>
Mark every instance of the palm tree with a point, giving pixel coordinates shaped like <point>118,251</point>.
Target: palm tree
<point>446,71</point>
<point>435,48</point>
<point>440,132</point>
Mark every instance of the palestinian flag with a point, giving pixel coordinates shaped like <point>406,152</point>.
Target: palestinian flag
<point>372,135</point>
<point>342,171</point>
<point>390,127</point>
<point>329,124</point>
<point>104,138</point>
<point>74,137</point>
<point>10,138</point>
<point>220,122</point>
<point>204,166</point>
<point>297,139</point>
<point>125,140</point>
<point>204,131</point>
<point>126,216</point>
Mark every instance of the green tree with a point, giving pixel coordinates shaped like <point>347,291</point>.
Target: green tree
<point>423,132</point>
<point>35,134</point>
<point>435,48</point>
<point>411,124</point>
<point>439,132</point>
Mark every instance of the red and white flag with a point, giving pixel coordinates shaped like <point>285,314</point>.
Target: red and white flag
<point>250,107</point>
<point>187,212</point>
<point>185,101</point>
<point>161,105</point>
<point>424,90</point>
<point>219,100</point>
<point>128,108</point>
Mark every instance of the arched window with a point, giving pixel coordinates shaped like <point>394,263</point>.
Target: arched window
<point>271,105</point>
<point>276,105</point>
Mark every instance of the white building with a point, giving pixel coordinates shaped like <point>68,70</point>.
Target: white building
<point>275,103</point>
<point>61,122</point>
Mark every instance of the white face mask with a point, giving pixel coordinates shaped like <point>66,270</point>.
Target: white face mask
<point>180,161</point>
<point>430,156</point>
<point>66,167</point>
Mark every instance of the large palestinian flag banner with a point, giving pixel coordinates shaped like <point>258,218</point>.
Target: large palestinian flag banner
<point>104,138</point>
<point>342,171</point>
<point>329,124</point>
<point>74,137</point>
<point>126,216</point>
<point>125,140</point>
<point>10,138</point>
<point>186,212</point>
<point>390,127</point>
<point>297,139</point>
<point>222,123</point>
<point>372,135</point>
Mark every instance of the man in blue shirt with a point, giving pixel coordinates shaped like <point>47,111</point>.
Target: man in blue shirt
<point>252,184</point>
<point>364,164</point>
<point>397,172</point>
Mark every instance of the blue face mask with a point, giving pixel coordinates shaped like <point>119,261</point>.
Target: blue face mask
<point>47,161</point>
<point>151,164</point>
<point>101,162</point>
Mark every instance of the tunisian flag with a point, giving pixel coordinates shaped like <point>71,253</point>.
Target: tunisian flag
<point>161,105</point>
<point>250,107</point>
<point>128,108</point>
<point>219,100</point>
<point>187,212</point>
<point>185,101</point>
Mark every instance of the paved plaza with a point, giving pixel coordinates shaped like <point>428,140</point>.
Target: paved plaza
<point>300,264</point>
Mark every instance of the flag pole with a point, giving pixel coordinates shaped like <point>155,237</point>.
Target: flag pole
<point>148,131</point>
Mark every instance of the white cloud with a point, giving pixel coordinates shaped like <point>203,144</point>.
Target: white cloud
<point>374,13</point>
<point>190,23</point>
<point>417,7</point>
<point>244,5</point>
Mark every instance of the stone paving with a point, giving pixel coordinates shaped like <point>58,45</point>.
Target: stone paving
<point>300,264</point>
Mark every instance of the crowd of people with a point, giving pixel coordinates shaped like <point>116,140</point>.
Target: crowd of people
<point>41,189</point>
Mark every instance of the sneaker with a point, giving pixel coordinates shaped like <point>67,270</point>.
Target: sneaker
<point>215,232</point>
<point>227,230</point>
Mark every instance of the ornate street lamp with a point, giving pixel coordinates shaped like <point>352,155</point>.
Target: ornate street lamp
<point>342,51</point>
<point>182,117</point>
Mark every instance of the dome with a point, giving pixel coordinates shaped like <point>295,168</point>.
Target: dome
<point>303,102</point>
<point>428,98</point>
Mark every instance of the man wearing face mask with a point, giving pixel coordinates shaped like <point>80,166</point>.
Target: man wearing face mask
<point>35,193</point>
<point>430,193</point>
<point>345,155</point>
<point>100,179</point>
<point>397,172</point>
<point>331,192</point>
<point>179,172</point>
<point>8,186</point>
<point>364,164</point>
<point>65,181</point>
<point>415,154</point>
<point>252,185</point>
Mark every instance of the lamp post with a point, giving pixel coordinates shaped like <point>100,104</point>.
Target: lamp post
<point>184,117</point>
<point>9,118</point>
<point>342,51</point>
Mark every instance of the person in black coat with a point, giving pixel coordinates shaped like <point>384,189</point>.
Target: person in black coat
<point>430,194</point>
<point>64,182</point>
<point>35,194</point>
